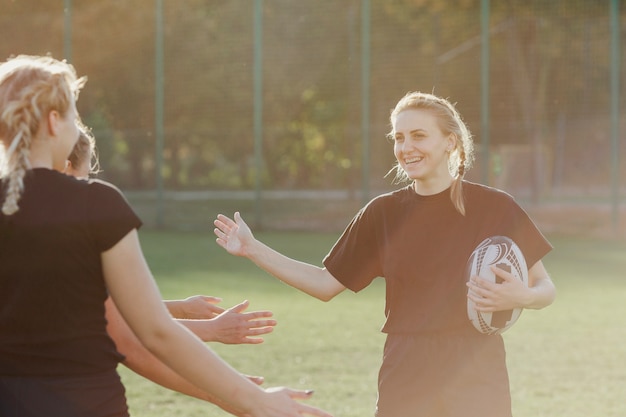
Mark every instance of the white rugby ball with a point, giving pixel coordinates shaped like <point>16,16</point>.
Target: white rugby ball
<point>502,252</point>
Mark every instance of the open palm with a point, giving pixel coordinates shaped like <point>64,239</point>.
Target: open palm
<point>232,235</point>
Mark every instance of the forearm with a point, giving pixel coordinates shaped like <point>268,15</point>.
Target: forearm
<point>310,279</point>
<point>175,345</point>
<point>141,361</point>
<point>542,290</point>
<point>543,293</point>
<point>144,363</point>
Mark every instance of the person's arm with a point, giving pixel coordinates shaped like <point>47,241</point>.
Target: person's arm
<point>137,297</point>
<point>236,237</point>
<point>543,291</point>
<point>194,307</point>
<point>141,361</point>
<point>233,326</point>
<point>512,293</point>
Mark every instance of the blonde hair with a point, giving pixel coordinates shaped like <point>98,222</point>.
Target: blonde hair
<point>450,122</point>
<point>84,151</point>
<point>30,88</point>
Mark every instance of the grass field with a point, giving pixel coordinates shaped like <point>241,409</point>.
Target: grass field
<point>567,360</point>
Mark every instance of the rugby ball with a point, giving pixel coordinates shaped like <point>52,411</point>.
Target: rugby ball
<point>502,252</point>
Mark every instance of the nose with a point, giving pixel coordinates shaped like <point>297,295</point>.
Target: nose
<point>407,144</point>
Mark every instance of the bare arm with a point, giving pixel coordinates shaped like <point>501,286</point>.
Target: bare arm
<point>236,237</point>
<point>233,326</point>
<point>137,297</point>
<point>141,361</point>
<point>194,307</point>
<point>543,291</point>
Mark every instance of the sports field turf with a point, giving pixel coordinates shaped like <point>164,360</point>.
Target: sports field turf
<point>567,360</point>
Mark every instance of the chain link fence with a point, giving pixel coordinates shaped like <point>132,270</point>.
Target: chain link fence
<point>551,142</point>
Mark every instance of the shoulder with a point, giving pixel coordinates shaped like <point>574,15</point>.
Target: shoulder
<point>100,186</point>
<point>480,192</point>
<point>105,196</point>
<point>390,198</point>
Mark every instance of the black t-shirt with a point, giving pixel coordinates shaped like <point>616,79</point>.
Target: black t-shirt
<point>420,245</point>
<point>52,289</point>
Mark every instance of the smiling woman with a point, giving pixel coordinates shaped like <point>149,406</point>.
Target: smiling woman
<point>419,238</point>
<point>425,126</point>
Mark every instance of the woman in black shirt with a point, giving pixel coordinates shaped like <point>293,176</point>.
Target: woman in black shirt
<point>419,239</point>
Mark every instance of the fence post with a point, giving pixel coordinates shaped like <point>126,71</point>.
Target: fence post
<point>158,109</point>
<point>258,109</point>
<point>484,91</point>
<point>67,32</point>
<point>365,96</point>
<point>615,95</point>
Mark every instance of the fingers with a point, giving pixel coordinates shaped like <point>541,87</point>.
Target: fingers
<point>208,298</point>
<point>241,307</point>
<point>225,222</point>
<point>312,411</point>
<point>304,408</point>
<point>299,394</point>
<point>259,380</point>
<point>300,408</point>
<point>505,275</point>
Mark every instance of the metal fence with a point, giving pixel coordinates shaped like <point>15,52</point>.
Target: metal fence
<point>280,108</point>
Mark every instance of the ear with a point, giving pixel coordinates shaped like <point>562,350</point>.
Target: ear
<point>53,122</point>
<point>451,139</point>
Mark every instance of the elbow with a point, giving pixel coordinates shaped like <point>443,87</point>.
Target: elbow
<point>545,294</point>
<point>325,297</point>
<point>327,286</point>
<point>327,293</point>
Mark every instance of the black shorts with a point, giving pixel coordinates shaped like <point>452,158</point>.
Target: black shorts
<point>95,395</point>
<point>444,376</point>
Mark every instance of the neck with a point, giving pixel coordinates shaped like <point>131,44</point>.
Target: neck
<point>426,187</point>
<point>40,155</point>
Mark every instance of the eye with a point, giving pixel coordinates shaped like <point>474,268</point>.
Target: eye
<point>398,138</point>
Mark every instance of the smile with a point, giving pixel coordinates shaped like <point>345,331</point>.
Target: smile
<point>413,160</point>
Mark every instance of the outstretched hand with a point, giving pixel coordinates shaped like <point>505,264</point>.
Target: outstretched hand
<point>489,296</point>
<point>282,402</point>
<point>234,326</point>
<point>232,235</point>
<point>200,307</point>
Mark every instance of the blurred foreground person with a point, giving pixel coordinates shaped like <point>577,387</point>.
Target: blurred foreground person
<point>65,245</point>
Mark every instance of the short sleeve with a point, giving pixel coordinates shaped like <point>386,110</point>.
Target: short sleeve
<point>527,235</point>
<point>354,260</point>
<point>111,216</point>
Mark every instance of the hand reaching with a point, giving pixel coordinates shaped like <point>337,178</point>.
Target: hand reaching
<point>195,307</point>
<point>281,402</point>
<point>234,326</point>
<point>232,235</point>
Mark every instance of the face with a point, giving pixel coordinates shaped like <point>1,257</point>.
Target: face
<point>67,135</point>
<point>422,149</point>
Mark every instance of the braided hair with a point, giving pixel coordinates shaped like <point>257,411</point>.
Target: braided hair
<point>461,157</point>
<point>30,88</point>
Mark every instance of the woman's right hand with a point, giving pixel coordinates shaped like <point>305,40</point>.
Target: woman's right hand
<point>232,235</point>
<point>282,402</point>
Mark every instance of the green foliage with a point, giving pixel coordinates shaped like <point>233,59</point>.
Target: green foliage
<point>563,361</point>
<point>549,63</point>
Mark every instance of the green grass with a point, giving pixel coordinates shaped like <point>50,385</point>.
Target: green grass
<point>566,360</point>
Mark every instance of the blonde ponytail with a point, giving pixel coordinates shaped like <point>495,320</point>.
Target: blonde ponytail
<point>30,88</point>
